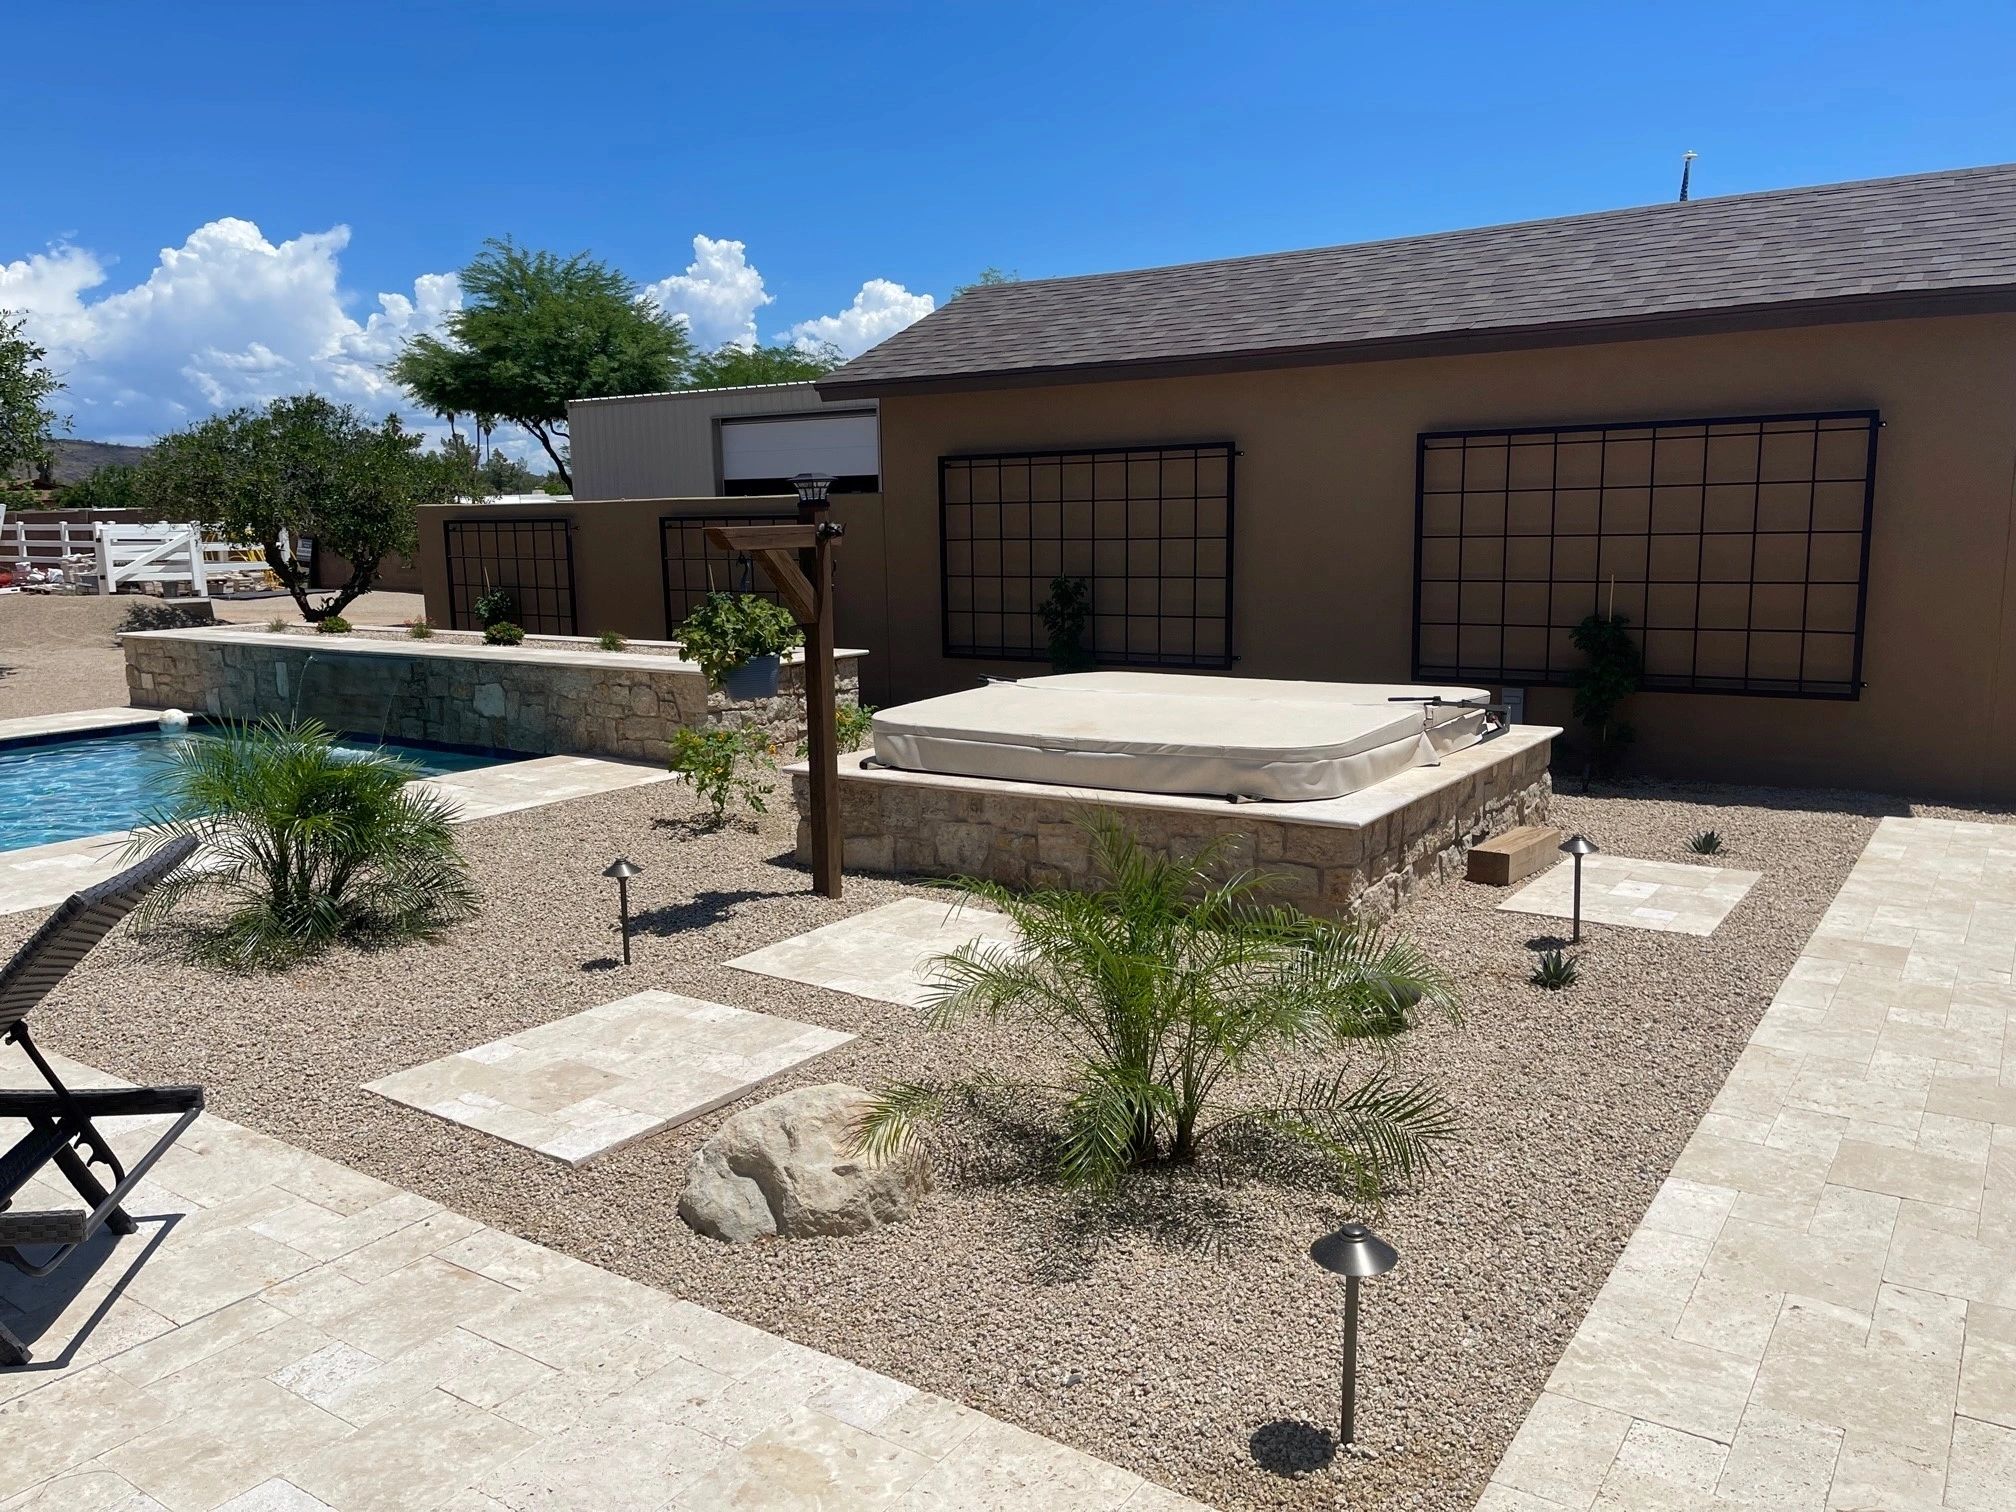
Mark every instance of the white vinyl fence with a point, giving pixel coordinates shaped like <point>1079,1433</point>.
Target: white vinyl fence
<point>115,556</point>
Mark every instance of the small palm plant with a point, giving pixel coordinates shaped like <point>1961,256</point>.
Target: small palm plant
<point>1706,843</point>
<point>1191,1013</point>
<point>1555,970</point>
<point>309,846</point>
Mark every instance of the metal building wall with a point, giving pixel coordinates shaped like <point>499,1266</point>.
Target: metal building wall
<point>658,446</point>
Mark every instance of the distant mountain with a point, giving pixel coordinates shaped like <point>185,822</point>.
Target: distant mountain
<point>77,460</point>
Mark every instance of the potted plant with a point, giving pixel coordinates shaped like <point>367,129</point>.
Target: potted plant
<point>739,640</point>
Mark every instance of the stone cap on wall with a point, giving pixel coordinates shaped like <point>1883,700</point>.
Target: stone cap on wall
<point>365,645</point>
<point>1352,811</point>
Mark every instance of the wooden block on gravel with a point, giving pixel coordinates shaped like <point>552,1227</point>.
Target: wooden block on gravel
<point>1514,855</point>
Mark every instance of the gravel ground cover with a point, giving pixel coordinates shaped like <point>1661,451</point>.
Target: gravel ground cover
<point>57,653</point>
<point>1184,1333</point>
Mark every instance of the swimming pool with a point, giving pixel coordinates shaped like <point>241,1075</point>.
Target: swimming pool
<point>62,789</point>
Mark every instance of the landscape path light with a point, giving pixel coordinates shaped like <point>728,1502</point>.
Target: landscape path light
<point>1578,846</point>
<point>1353,1252</point>
<point>623,869</point>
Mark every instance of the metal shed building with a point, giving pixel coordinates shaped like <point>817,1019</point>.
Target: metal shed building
<point>720,442</point>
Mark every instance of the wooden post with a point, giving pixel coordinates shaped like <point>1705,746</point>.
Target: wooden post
<point>804,582</point>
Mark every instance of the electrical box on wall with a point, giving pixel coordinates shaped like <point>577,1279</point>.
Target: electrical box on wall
<point>1514,700</point>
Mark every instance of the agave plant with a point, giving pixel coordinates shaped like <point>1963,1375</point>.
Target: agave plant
<point>1555,970</point>
<point>308,845</point>
<point>1706,843</point>
<point>1190,1012</point>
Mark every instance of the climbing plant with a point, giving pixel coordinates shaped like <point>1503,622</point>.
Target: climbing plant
<point>1611,671</point>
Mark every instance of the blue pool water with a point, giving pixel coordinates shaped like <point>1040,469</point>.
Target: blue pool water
<point>88,784</point>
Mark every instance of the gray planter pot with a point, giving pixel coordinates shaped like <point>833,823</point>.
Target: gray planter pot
<point>755,678</point>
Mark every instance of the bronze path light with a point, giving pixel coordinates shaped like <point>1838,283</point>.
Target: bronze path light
<point>623,869</point>
<point>1353,1252</point>
<point>1578,846</point>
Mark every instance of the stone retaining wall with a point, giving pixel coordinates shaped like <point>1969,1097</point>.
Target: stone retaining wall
<point>604,703</point>
<point>1361,855</point>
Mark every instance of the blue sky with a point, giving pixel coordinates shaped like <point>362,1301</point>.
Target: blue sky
<point>900,147</point>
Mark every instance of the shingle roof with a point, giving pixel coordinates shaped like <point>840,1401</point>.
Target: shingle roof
<point>1910,243</point>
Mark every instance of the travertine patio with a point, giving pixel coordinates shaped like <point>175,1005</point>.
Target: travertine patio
<point>287,1333</point>
<point>1819,1309</point>
<point>883,953</point>
<point>580,1086</point>
<point>1638,894</point>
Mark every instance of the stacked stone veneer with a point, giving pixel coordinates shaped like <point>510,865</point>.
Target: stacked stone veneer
<point>1361,855</point>
<point>605,703</point>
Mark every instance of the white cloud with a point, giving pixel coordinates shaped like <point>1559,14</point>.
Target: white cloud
<point>879,310</point>
<point>717,296</point>
<point>231,317</point>
<point>227,318</point>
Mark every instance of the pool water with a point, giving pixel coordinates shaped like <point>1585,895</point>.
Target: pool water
<point>90,784</point>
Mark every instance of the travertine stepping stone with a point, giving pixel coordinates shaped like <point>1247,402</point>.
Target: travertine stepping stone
<point>586,1084</point>
<point>882,953</point>
<point>1662,895</point>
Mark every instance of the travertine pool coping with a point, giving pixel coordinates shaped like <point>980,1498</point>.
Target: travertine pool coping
<point>284,1332</point>
<point>581,1086</point>
<point>883,953</point>
<point>1818,1310</point>
<point>1638,894</point>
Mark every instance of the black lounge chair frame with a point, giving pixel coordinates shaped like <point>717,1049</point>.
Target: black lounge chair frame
<point>60,1119</point>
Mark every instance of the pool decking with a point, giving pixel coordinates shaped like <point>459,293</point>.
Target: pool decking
<point>1819,1308</point>
<point>39,876</point>
<point>286,1332</point>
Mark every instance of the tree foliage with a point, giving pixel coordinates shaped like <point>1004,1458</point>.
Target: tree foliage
<point>735,367</point>
<point>1190,1012</point>
<point>536,330</point>
<point>990,277</point>
<point>302,468</point>
<point>113,486</point>
<point>308,845</point>
<point>27,422</point>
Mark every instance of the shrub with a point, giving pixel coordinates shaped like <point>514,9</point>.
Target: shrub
<point>610,640</point>
<point>1554,971</point>
<point>1706,843</point>
<point>852,725</point>
<point>1164,988</point>
<point>727,629</point>
<point>308,846</point>
<point>503,633</point>
<point>724,763</point>
<point>1066,613</point>
<point>1612,667</point>
<point>147,615</point>
<point>332,624</point>
<point>278,625</point>
<point>494,606</point>
<point>419,629</point>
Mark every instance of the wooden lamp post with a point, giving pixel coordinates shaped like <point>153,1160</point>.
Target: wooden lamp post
<point>798,561</point>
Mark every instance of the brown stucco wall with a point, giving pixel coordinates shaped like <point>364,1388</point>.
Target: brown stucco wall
<point>618,564</point>
<point>1324,530</point>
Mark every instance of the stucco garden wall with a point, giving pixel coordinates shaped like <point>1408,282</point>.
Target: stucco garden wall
<point>534,699</point>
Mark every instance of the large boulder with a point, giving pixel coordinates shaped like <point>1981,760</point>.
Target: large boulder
<point>788,1168</point>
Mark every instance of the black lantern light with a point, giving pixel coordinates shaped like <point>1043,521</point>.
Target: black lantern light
<point>1578,846</point>
<point>811,487</point>
<point>1353,1252</point>
<point>623,869</point>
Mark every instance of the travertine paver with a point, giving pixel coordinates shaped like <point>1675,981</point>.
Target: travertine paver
<point>1819,1308</point>
<point>883,953</point>
<point>583,1085</point>
<point>1640,894</point>
<point>286,1333</point>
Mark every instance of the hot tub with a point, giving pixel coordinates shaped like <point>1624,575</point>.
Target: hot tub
<point>1158,732</point>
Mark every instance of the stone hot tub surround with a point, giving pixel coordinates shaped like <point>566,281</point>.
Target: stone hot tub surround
<point>536,699</point>
<point>1364,853</point>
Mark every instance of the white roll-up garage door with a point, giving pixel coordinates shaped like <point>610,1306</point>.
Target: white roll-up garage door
<point>776,446</point>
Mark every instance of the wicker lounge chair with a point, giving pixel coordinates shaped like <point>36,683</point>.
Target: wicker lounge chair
<point>60,1120</point>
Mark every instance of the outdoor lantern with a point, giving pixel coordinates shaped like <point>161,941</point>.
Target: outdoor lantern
<point>623,869</point>
<point>1353,1252</point>
<point>811,486</point>
<point>1578,846</point>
